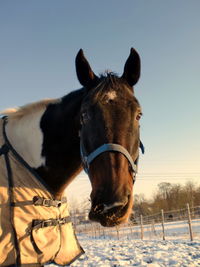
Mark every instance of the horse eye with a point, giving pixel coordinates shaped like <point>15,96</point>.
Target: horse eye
<point>84,118</point>
<point>138,117</point>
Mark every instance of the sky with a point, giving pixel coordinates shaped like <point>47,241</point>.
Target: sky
<point>40,39</point>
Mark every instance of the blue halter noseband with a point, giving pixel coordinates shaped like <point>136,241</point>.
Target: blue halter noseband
<point>110,147</point>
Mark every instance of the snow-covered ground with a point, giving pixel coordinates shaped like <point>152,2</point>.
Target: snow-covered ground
<point>126,249</point>
<point>154,253</point>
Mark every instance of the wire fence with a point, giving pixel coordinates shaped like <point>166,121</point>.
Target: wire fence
<point>165,225</point>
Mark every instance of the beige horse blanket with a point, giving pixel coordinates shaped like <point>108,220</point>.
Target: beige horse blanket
<point>34,227</point>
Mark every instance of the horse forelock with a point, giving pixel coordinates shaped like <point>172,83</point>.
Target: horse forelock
<point>109,78</point>
<point>110,87</point>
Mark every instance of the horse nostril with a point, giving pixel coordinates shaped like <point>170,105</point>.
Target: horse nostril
<point>98,208</point>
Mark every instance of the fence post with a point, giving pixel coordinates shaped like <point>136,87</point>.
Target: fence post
<point>74,221</point>
<point>99,231</point>
<point>163,227</point>
<point>131,231</point>
<point>189,222</point>
<point>141,226</point>
<point>104,236</point>
<point>153,227</point>
<point>94,228</point>
<point>117,230</point>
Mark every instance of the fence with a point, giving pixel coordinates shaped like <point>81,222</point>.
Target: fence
<point>165,225</point>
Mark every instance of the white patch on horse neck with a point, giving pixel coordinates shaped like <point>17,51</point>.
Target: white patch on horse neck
<point>111,95</point>
<point>26,136</point>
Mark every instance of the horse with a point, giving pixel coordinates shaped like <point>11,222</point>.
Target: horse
<point>95,128</point>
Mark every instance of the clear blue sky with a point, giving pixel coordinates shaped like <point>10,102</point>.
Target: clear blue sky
<point>39,41</point>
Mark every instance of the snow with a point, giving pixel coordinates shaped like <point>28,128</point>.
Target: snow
<point>154,253</point>
<point>147,253</point>
<point>109,249</point>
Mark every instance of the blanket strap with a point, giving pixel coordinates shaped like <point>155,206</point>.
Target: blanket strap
<point>36,224</point>
<point>4,151</point>
<point>50,222</point>
<point>41,201</point>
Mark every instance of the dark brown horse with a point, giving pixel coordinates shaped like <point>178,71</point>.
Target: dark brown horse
<point>102,120</point>
<point>109,137</point>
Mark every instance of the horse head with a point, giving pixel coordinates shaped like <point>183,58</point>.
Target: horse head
<point>109,137</point>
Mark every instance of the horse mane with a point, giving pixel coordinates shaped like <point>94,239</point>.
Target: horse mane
<point>19,112</point>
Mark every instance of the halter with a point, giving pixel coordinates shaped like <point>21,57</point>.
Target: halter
<point>110,147</point>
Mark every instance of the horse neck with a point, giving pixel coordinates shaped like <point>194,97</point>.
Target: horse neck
<point>61,147</point>
<point>34,136</point>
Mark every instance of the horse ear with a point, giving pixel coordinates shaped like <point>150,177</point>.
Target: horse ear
<point>84,72</point>
<point>132,68</point>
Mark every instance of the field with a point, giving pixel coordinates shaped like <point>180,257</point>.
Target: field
<point>151,253</point>
<point>126,249</point>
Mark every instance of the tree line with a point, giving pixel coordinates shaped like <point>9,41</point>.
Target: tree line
<point>168,197</point>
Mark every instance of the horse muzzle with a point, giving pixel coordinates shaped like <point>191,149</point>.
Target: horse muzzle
<point>110,215</point>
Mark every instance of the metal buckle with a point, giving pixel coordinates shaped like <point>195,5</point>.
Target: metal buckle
<point>45,202</point>
<point>62,221</point>
<point>85,163</point>
<point>47,223</point>
<point>85,160</point>
<point>58,203</point>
